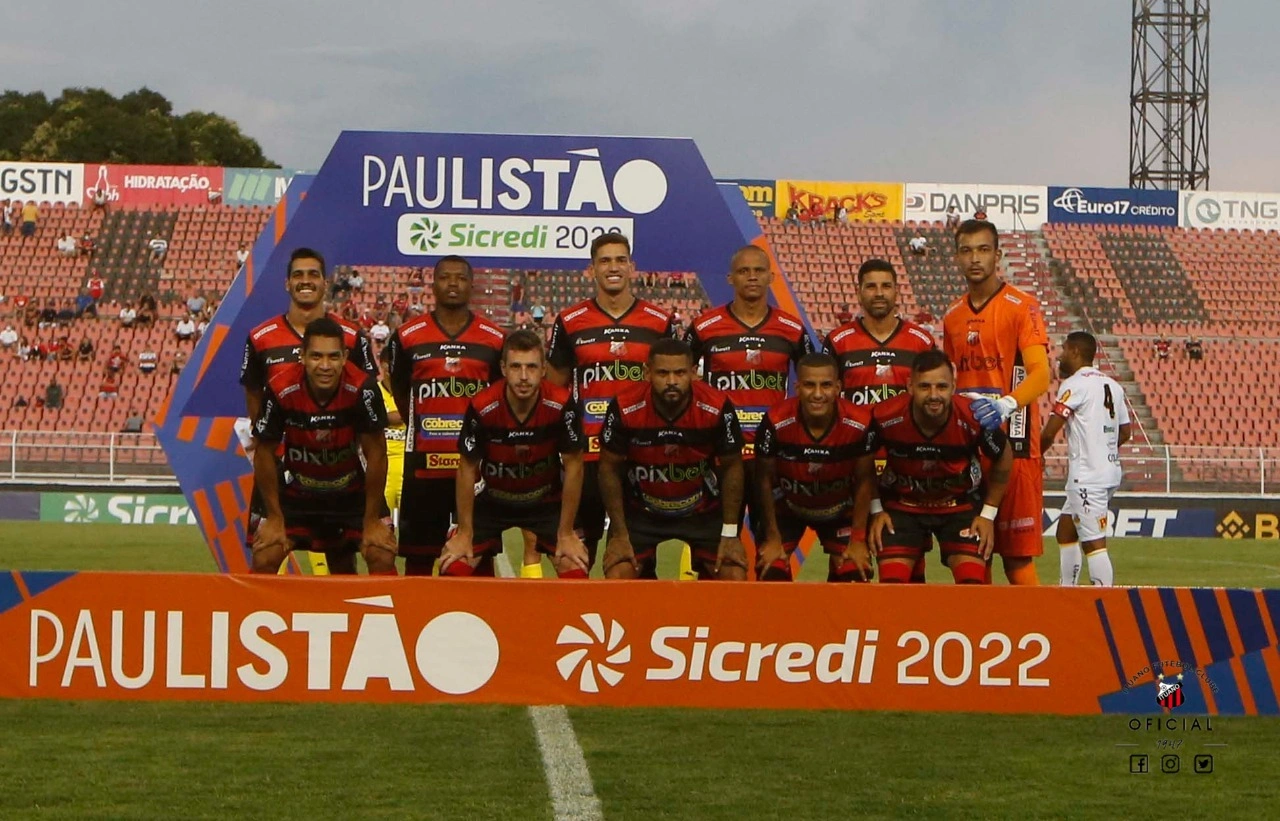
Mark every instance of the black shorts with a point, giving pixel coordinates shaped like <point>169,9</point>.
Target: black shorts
<point>427,509</point>
<point>913,534</point>
<point>833,535</point>
<point>492,520</point>
<point>326,526</point>
<point>701,532</point>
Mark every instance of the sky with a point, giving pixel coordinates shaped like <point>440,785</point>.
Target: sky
<point>995,91</point>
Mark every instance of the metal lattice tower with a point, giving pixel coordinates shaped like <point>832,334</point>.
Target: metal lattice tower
<point>1169,95</point>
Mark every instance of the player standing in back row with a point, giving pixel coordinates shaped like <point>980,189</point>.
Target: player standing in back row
<point>876,350</point>
<point>1092,407</point>
<point>996,337</point>
<point>438,363</point>
<point>746,349</point>
<point>600,347</point>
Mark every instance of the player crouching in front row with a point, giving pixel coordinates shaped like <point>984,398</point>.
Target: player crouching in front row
<point>517,434</point>
<point>327,412</point>
<point>807,448</point>
<point>932,478</point>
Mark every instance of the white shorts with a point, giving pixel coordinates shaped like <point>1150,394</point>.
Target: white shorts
<point>1088,508</point>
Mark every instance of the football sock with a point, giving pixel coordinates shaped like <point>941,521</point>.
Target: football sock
<point>1022,574</point>
<point>969,573</point>
<point>1100,571</point>
<point>686,565</point>
<point>532,571</point>
<point>895,573</point>
<point>917,571</point>
<point>418,565</point>
<point>1070,559</point>
<point>572,573</point>
<point>779,571</point>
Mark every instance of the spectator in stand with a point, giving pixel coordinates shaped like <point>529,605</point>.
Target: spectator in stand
<point>8,338</point>
<point>66,246</point>
<point>179,362</point>
<point>87,246</point>
<point>517,288</point>
<point>86,305</point>
<point>67,313</point>
<point>919,245</point>
<point>416,284</point>
<point>394,320</point>
<point>21,402</point>
<point>842,216</point>
<point>380,331</point>
<point>53,394</point>
<point>793,215</point>
<point>31,314</point>
<point>953,218</point>
<point>185,330</point>
<point>66,353</point>
<point>6,218</point>
<point>201,327</point>
<point>25,350</point>
<point>341,288</point>
<point>128,316</point>
<point>522,320</point>
<point>133,422</point>
<point>115,360</point>
<point>85,352</point>
<point>844,314</point>
<point>30,214</point>
<point>196,304</point>
<point>159,247</point>
<point>922,317</point>
<point>351,312</point>
<point>109,387</point>
<point>1195,351</point>
<point>980,214</point>
<point>242,256</point>
<point>214,196</point>
<point>95,286</point>
<point>49,313</point>
<point>539,314</point>
<point>400,304</point>
<point>356,281</point>
<point>1162,348</point>
<point>147,310</point>
<point>148,361</point>
<point>100,197</point>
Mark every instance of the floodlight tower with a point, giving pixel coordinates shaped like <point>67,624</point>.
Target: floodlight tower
<point>1169,95</point>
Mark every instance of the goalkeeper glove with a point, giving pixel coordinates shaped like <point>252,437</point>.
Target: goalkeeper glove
<point>991,413</point>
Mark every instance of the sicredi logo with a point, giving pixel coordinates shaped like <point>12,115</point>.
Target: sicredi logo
<point>580,659</point>
<point>486,235</point>
<point>80,508</point>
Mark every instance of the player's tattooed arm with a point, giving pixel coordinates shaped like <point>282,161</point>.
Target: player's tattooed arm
<point>771,549</point>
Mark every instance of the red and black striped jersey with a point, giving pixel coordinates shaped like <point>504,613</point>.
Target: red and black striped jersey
<point>752,364</point>
<point>871,371</point>
<point>814,476</point>
<point>320,441</point>
<point>441,374</point>
<point>606,354</point>
<point>938,473</point>
<point>671,462</point>
<point>275,344</point>
<point>520,459</point>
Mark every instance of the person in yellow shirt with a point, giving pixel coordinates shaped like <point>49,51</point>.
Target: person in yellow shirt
<point>29,215</point>
<point>395,433</point>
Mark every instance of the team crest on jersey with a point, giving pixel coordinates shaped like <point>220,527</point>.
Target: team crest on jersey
<point>670,450</point>
<point>883,371</point>
<point>617,347</point>
<point>323,434</point>
<point>521,451</point>
<point>973,337</point>
<point>453,364</point>
<point>753,355</point>
<point>815,467</point>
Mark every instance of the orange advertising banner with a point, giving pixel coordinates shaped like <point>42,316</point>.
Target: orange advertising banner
<point>866,647</point>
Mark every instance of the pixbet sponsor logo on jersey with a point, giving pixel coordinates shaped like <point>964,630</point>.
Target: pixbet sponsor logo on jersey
<point>363,642</point>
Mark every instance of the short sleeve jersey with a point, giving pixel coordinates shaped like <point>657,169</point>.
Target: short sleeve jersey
<point>814,475</point>
<point>670,463</point>
<point>751,364</point>
<point>520,458</point>
<point>986,345</point>
<point>1093,406</point>
<point>931,474</point>
<point>870,370</point>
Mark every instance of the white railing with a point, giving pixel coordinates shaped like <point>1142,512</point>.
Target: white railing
<point>73,455</point>
<point>28,455</point>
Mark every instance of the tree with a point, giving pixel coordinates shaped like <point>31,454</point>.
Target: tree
<point>91,125</point>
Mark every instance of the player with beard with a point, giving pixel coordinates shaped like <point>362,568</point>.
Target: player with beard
<point>276,344</point>
<point>806,451</point>
<point>519,435</point>
<point>876,350</point>
<point>327,416</point>
<point>671,468</point>
<point>746,349</point>
<point>996,337</point>
<point>932,484</point>
<point>600,347</point>
<point>439,361</point>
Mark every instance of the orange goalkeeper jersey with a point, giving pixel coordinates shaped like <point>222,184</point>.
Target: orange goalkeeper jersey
<point>986,346</point>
